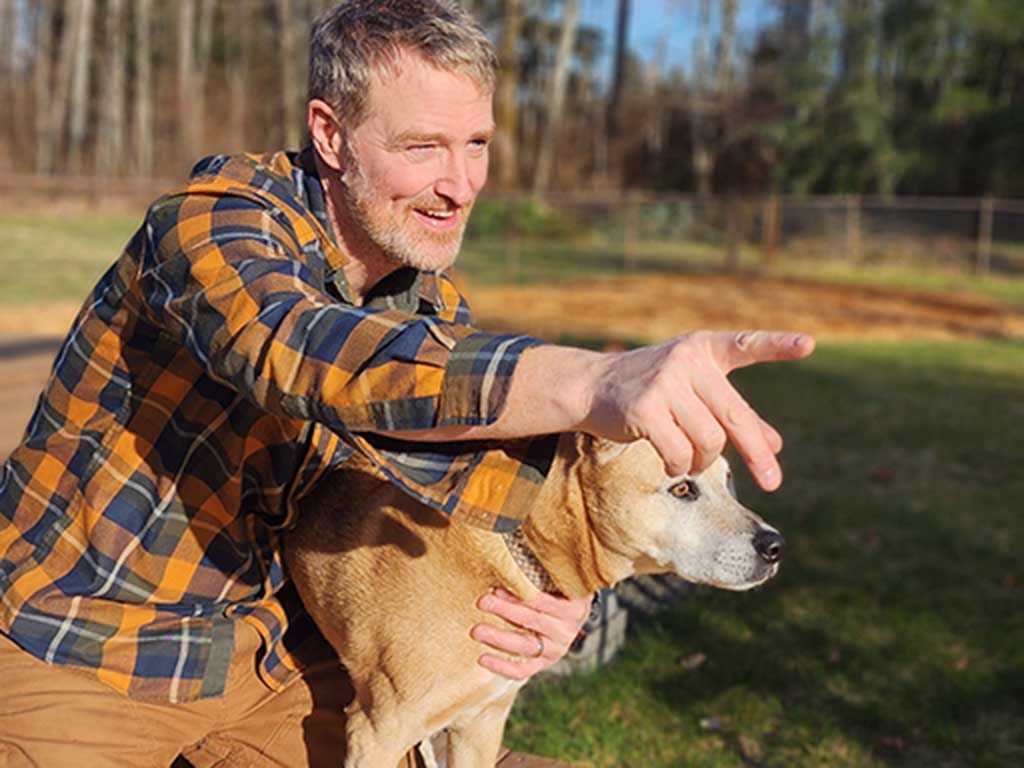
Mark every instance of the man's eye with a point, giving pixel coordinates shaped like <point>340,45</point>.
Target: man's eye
<point>685,489</point>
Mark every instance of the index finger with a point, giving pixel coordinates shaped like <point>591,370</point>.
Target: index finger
<point>746,431</point>
<point>736,350</point>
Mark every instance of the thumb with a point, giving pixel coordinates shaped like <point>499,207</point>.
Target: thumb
<point>738,350</point>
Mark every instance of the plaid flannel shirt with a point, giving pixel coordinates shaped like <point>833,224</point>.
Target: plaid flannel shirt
<point>217,370</point>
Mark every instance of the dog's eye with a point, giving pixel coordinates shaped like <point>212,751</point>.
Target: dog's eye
<point>685,489</point>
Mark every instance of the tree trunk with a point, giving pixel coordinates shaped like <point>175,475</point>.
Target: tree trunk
<point>238,79</point>
<point>111,144</point>
<point>506,105</point>
<point>80,86</point>
<point>8,21</point>
<point>556,97</point>
<point>187,114</point>
<point>290,118</point>
<point>57,102</point>
<point>143,84</point>
<point>614,112</point>
<point>204,45</point>
<point>701,149</point>
<point>42,41</point>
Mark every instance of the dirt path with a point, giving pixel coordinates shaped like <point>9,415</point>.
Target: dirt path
<point>627,309</point>
<point>658,307</point>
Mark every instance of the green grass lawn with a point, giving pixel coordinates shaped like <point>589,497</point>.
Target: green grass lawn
<point>894,633</point>
<point>50,257</point>
<point>58,258</point>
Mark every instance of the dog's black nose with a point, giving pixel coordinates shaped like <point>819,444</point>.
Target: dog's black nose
<point>769,545</point>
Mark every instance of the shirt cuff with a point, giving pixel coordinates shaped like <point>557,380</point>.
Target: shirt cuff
<point>477,378</point>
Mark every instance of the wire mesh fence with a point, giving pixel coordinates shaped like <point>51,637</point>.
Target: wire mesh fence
<point>517,239</point>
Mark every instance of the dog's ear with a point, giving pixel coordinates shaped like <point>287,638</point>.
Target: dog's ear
<point>602,450</point>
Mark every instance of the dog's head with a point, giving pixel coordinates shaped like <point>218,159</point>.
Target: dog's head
<point>691,525</point>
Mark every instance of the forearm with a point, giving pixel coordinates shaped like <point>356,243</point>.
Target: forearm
<point>550,391</point>
<point>674,394</point>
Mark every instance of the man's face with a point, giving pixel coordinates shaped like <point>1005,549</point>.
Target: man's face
<point>417,162</point>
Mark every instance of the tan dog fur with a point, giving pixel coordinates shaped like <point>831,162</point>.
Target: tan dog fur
<point>394,586</point>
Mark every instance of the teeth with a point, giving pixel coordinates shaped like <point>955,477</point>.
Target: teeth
<point>438,214</point>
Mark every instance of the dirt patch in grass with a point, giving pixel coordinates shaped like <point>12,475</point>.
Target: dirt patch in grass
<point>632,309</point>
<point>660,306</point>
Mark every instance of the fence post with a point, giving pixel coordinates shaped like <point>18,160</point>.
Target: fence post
<point>769,229</point>
<point>632,227</point>
<point>512,244</point>
<point>732,234</point>
<point>852,249</point>
<point>983,254</point>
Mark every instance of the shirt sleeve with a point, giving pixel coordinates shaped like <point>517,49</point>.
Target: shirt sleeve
<point>228,277</point>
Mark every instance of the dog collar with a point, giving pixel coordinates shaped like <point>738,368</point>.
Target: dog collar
<point>528,563</point>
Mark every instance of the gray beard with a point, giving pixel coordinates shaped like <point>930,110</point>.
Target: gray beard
<point>390,238</point>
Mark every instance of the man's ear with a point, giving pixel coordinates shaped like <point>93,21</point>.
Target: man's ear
<point>325,132</point>
<point>601,449</point>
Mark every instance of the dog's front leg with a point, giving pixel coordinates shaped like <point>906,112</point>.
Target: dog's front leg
<point>474,742</point>
<point>372,744</point>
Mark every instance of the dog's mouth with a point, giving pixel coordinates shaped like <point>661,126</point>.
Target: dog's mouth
<point>766,575</point>
<point>733,579</point>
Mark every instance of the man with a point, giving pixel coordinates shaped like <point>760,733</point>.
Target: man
<point>275,315</point>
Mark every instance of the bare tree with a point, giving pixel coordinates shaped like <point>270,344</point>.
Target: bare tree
<point>710,100</point>
<point>80,86</point>
<point>238,80</point>
<point>111,143</point>
<point>8,23</point>
<point>42,39</point>
<point>204,47</point>
<point>555,102</point>
<point>55,101</point>
<point>9,89</point>
<point>143,117</point>
<point>625,8</point>
<point>188,115</point>
<point>505,98</point>
<point>288,86</point>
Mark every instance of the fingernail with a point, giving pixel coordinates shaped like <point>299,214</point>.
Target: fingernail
<point>798,340</point>
<point>770,478</point>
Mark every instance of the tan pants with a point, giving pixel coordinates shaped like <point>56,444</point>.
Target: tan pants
<point>52,717</point>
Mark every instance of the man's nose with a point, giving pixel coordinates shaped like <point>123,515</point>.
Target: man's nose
<point>457,183</point>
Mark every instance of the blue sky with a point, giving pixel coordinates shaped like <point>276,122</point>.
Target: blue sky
<point>653,19</point>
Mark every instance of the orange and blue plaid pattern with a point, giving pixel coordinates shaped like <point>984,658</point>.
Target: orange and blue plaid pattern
<point>217,370</point>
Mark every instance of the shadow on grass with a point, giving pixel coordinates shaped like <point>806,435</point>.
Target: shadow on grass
<point>893,634</point>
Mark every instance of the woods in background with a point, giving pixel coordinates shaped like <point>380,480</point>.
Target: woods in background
<point>826,96</point>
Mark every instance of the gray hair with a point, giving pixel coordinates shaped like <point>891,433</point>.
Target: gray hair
<point>357,37</point>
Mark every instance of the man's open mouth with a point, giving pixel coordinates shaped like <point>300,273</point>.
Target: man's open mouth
<point>437,219</point>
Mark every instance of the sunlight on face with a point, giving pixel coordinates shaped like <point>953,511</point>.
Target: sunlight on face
<point>416,164</point>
